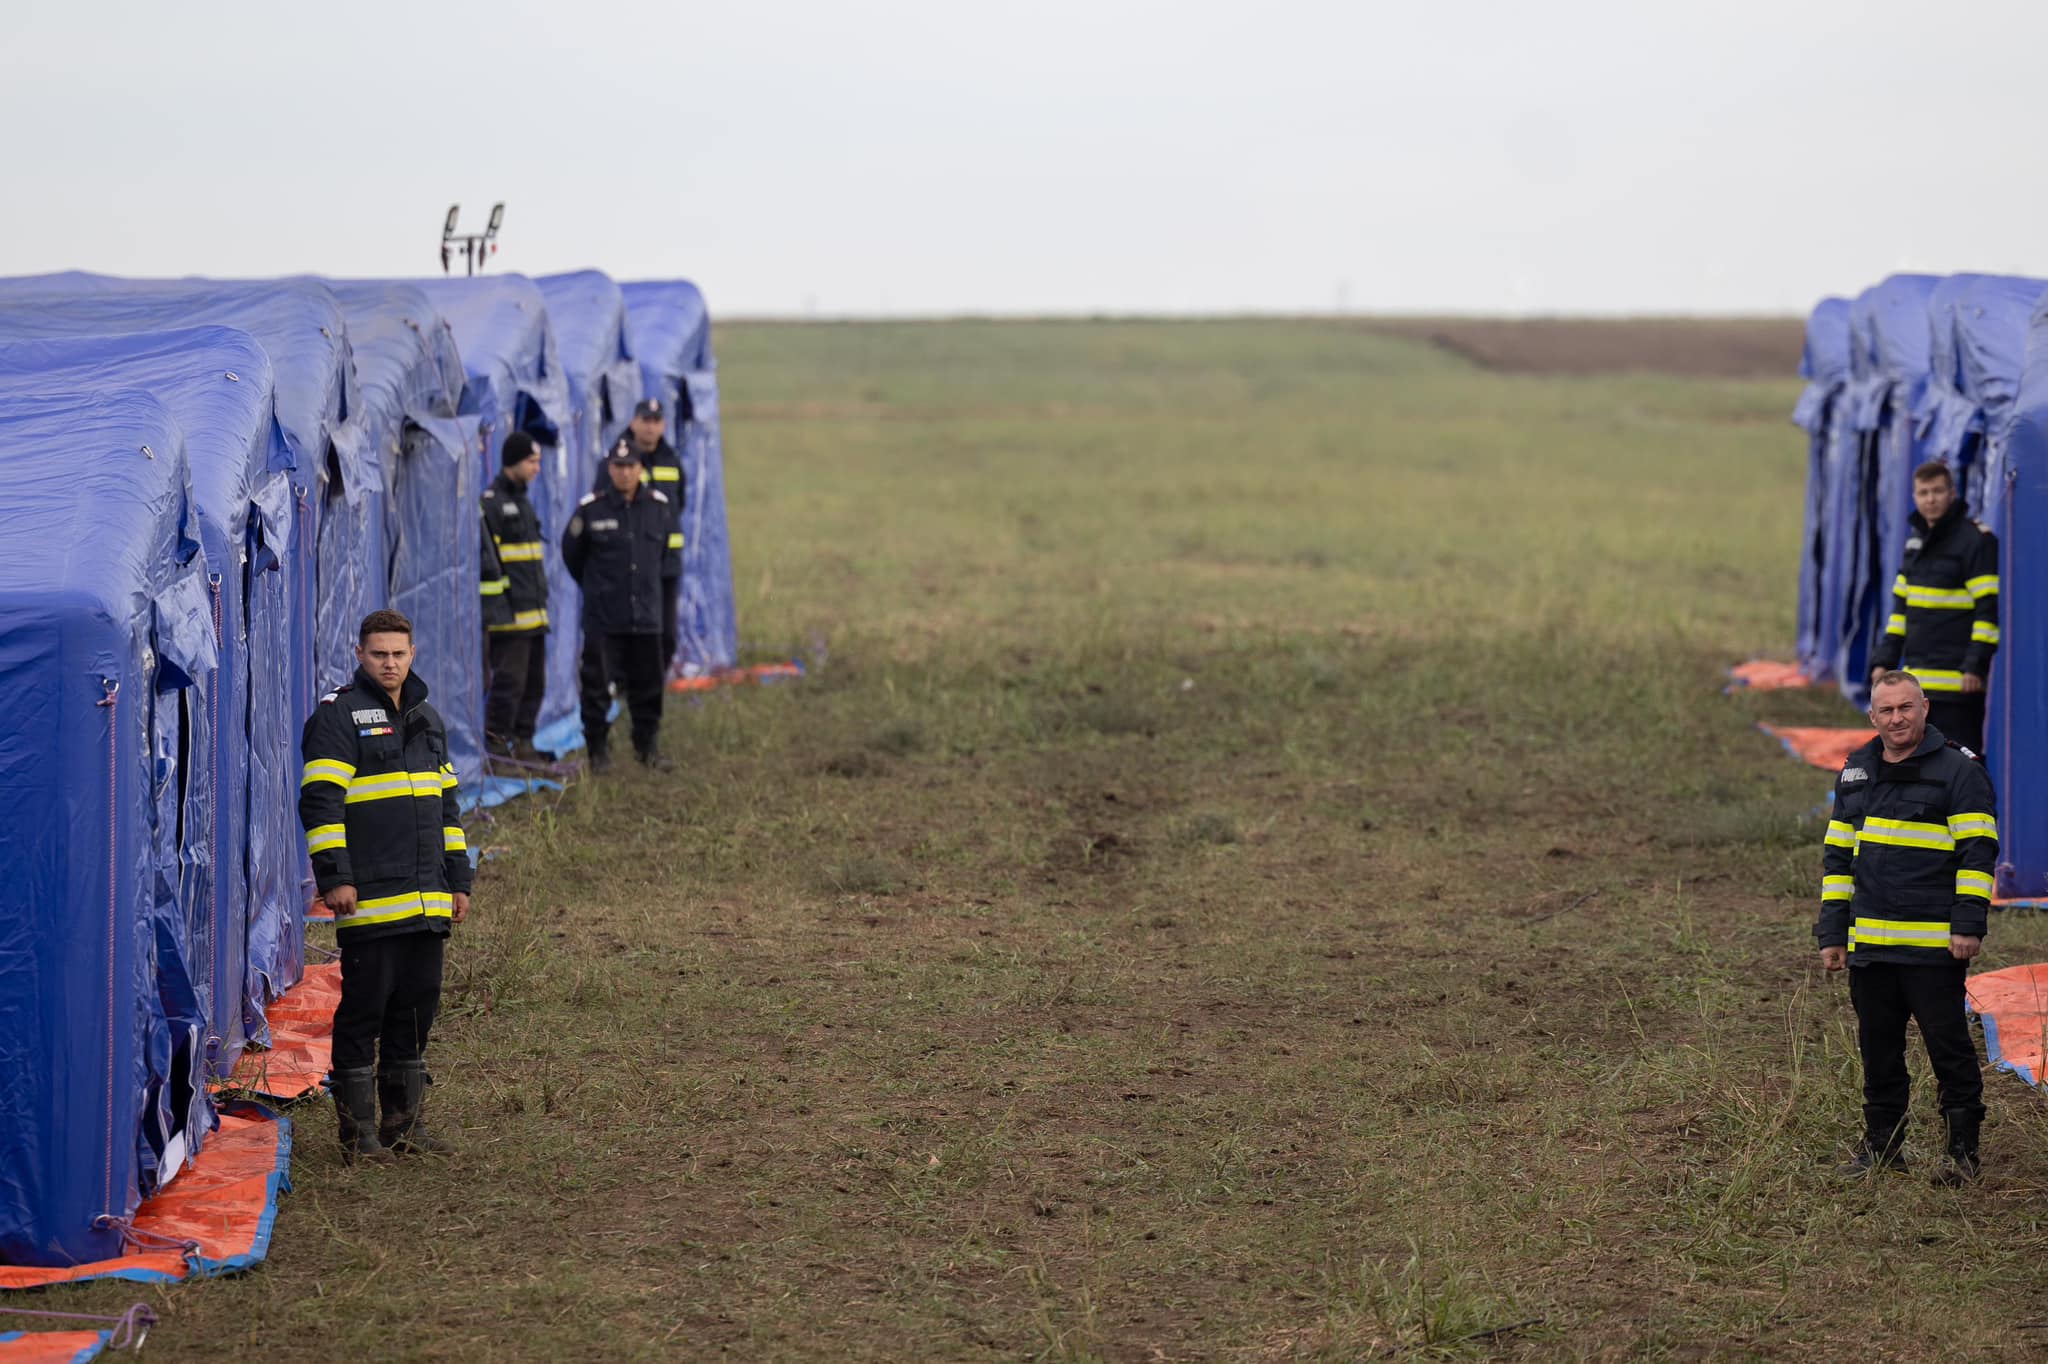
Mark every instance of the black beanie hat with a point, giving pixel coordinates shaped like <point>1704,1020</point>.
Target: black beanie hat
<point>517,449</point>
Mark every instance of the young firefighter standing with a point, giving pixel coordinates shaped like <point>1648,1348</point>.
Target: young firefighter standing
<point>378,803</point>
<point>1905,895</point>
<point>518,640</point>
<point>1944,622</point>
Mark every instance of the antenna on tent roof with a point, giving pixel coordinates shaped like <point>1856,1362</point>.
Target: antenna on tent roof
<point>477,247</point>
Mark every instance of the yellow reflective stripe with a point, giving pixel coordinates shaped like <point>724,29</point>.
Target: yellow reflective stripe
<point>326,837</point>
<point>1899,584</point>
<point>675,539</point>
<point>1896,625</point>
<point>519,551</point>
<point>1985,585</point>
<point>452,839</point>
<point>1983,632</point>
<point>495,587</point>
<point>327,769</point>
<point>1939,598</point>
<point>1906,833</point>
<point>1976,883</point>
<point>388,785</point>
<point>528,619</point>
<point>447,777</point>
<point>1972,825</point>
<point>1899,933</point>
<point>1837,887</point>
<point>390,908</point>
<point>1840,834</point>
<point>1938,679</point>
<point>667,473</point>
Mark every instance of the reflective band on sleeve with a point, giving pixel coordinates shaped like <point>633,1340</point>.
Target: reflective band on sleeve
<point>326,838</point>
<point>1972,826</point>
<point>675,539</point>
<point>1906,833</point>
<point>1841,834</point>
<point>447,777</point>
<point>1837,887</point>
<point>667,473</point>
<point>1983,632</point>
<point>328,769</point>
<point>1898,933</point>
<point>1896,625</point>
<point>1937,679</point>
<point>1939,598</point>
<point>519,551</point>
<point>1976,883</point>
<point>452,839</point>
<point>493,588</point>
<point>1984,586</point>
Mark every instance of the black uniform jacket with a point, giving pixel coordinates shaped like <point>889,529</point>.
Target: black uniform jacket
<point>1944,620</point>
<point>1909,854</point>
<point>515,526</point>
<point>378,804</point>
<point>664,472</point>
<point>620,553</point>
<point>492,584</point>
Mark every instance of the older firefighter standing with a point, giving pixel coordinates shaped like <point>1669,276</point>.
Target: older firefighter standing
<point>379,807</point>
<point>618,549</point>
<point>648,435</point>
<point>1905,894</point>
<point>518,639</point>
<point>1944,622</point>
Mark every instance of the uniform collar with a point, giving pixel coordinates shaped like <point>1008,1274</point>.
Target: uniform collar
<point>410,695</point>
<point>1956,511</point>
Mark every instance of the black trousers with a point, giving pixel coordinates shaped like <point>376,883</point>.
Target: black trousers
<point>1885,996</point>
<point>670,588</point>
<point>519,677</point>
<point>632,663</point>
<point>1958,717</point>
<point>390,992</point>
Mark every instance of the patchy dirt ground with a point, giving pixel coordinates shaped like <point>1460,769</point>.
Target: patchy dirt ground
<point>1706,348</point>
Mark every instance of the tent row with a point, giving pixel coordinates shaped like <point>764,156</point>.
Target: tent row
<point>204,486</point>
<point>1921,368</point>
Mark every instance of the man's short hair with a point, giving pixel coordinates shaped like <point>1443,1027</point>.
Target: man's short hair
<point>1896,678</point>
<point>383,622</point>
<point>1934,471</point>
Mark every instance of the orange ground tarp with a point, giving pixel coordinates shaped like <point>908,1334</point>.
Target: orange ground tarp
<point>2012,1004</point>
<point>1824,748</point>
<point>51,1347</point>
<point>301,1039</point>
<point>738,677</point>
<point>224,1202</point>
<point>1763,674</point>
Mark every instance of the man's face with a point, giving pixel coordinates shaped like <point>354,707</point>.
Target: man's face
<point>625,474</point>
<point>1900,713</point>
<point>526,470</point>
<point>647,432</point>
<point>1931,497</point>
<point>387,658</point>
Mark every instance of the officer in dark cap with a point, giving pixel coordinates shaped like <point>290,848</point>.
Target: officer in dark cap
<point>619,549</point>
<point>649,434</point>
<point>517,631</point>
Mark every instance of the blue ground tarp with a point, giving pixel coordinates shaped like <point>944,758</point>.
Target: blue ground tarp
<point>421,550</point>
<point>215,382</point>
<point>669,330</point>
<point>1822,413</point>
<point>104,621</point>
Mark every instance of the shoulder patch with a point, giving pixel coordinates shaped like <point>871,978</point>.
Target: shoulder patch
<point>659,495</point>
<point>587,499</point>
<point>575,525</point>
<point>1965,750</point>
<point>328,699</point>
<point>1854,774</point>
<point>1981,526</point>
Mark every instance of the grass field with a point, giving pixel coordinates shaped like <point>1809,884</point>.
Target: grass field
<point>1260,871</point>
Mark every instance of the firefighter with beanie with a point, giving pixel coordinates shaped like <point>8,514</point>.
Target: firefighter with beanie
<point>1944,621</point>
<point>662,468</point>
<point>1905,894</point>
<point>619,549</point>
<point>517,639</point>
<point>378,803</point>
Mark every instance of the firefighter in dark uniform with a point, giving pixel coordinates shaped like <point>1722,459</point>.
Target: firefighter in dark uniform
<point>518,642</point>
<point>1905,894</point>
<point>1944,621</point>
<point>618,548</point>
<point>378,803</point>
<point>664,470</point>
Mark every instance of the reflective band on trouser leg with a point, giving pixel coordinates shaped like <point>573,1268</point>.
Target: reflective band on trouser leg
<point>1938,598</point>
<point>1837,888</point>
<point>391,908</point>
<point>1898,933</point>
<point>328,769</point>
<point>1896,625</point>
<point>1937,679</point>
<point>452,839</point>
<point>1972,825</point>
<point>1985,585</point>
<point>1906,833</point>
<point>326,838</point>
<point>1977,883</point>
<point>1983,632</point>
<point>675,539</point>
<point>1841,833</point>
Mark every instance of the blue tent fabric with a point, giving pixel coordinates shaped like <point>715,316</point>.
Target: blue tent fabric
<point>420,555</point>
<point>669,329</point>
<point>1990,322</point>
<point>2018,707</point>
<point>104,618</point>
<point>588,316</point>
<point>216,384</point>
<point>1824,364</point>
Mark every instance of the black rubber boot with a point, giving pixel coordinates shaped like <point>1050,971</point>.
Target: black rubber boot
<point>403,1088</point>
<point>355,1105</point>
<point>652,760</point>
<point>1883,1148</point>
<point>600,761</point>
<point>1960,1165</point>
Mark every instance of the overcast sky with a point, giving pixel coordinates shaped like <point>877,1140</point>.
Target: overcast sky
<point>891,157</point>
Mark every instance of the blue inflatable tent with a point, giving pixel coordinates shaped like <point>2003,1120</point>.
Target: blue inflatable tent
<point>104,620</point>
<point>669,330</point>
<point>1821,410</point>
<point>2017,722</point>
<point>240,896</point>
<point>422,550</point>
<point>1989,321</point>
